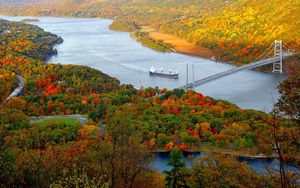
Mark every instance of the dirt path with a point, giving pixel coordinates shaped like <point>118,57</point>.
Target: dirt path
<point>182,46</point>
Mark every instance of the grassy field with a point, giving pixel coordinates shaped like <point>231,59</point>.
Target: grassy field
<point>68,121</point>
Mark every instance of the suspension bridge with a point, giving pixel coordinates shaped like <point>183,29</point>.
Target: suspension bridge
<point>263,59</point>
<point>277,48</point>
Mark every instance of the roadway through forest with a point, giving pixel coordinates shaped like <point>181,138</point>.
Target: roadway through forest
<point>18,89</point>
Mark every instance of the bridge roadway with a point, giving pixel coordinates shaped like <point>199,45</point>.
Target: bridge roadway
<point>18,90</point>
<point>232,71</point>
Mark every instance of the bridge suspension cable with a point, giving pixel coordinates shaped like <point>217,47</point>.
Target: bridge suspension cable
<point>287,47</point>
<point>265,53</point>
<point>276,60</point>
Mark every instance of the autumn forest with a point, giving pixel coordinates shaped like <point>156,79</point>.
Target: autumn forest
<point>124,127</point>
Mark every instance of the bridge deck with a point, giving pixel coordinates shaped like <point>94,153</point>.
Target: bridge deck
<point>232,71</point>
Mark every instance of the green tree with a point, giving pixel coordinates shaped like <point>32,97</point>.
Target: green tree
<point>13,119</point>
<point>122,156</point>
<point>282,138</point>
<point>79,179</point>
<point>289,102</point>
<point>176,176</point>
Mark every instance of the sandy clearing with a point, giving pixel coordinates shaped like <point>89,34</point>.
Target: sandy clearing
<point>182,46</point>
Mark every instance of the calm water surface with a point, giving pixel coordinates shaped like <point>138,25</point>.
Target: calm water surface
<point>259,165</point>
<point>89,42</point>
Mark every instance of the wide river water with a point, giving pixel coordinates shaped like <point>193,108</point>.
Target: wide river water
<point>89,42</point>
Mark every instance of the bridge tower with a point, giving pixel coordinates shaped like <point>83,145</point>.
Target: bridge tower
<point>187,77</point>
<point>193,75</point>
<point>277,65</point>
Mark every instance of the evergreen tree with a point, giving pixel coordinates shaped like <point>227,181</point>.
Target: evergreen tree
<point>175,177</point>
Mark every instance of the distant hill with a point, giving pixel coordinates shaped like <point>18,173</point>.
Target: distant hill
<point>18,1</point>
<point>143,10</point>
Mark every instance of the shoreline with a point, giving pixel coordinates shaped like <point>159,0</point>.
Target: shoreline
<point>182,46</point>
<point>231,153</point>
<point>54,50</point>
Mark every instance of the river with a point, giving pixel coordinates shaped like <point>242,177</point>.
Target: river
<point>258,165</point>
<point>89,42</point>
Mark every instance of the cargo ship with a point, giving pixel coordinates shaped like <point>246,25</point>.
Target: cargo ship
<point>160,72</point>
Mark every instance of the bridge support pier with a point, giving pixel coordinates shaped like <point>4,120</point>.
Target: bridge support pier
<point>277,65</point>
<point>187,77</point>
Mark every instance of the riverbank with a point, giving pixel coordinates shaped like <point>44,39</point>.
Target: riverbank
<point>146,40</point>
<point>130,62</point>
<point>182,46</point>
<point>161,42</point>
<point>170,43</point>
<point>239,154</point>
<point>28,20</point>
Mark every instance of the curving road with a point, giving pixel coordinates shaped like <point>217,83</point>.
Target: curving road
<point>18,90</point>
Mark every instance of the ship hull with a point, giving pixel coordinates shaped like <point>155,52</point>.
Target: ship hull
<point>174,76</point>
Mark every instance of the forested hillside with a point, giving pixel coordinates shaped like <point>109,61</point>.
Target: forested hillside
<point>14,2</point>
<point>49,89</point>
<point>243,29</point>
<point>237,31</point>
